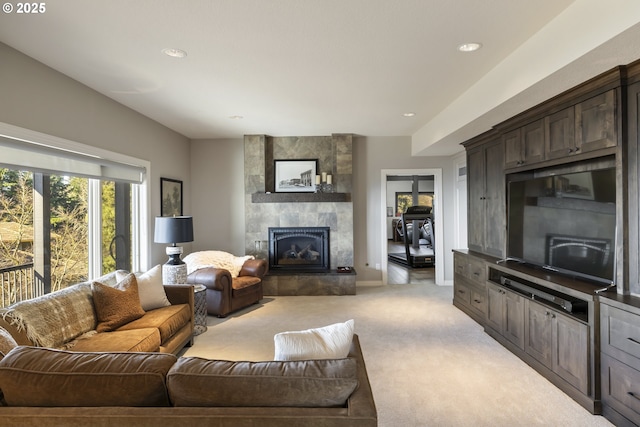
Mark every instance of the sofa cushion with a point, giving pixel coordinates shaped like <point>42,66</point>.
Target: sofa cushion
<point>33,376</point>
<point>7,343</point>
<point>168,320</point>
<point>117,305</point>
<point>194,381</point>
<point>150,288</point>
<point>53,319</point>
<point>143,339</point>
<point>329,342</point>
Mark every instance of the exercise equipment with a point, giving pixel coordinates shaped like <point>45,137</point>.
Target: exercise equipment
<point>419,246</point>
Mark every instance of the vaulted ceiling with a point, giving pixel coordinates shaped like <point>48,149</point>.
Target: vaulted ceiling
<point>316,67</point>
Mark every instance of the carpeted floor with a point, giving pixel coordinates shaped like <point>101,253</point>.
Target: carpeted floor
<point>428,363</point>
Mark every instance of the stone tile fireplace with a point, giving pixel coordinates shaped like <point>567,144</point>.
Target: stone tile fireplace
<point>265,209</point>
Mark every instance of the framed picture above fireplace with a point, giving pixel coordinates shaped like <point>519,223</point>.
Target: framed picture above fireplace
<point>295,176</point>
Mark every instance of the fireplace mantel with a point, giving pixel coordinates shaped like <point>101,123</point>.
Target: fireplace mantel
<point>299,197</point>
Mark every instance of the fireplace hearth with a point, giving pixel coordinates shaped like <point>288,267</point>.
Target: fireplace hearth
<point>299,249</point>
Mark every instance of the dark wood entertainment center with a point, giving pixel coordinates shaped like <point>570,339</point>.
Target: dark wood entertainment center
<point>582,336</point>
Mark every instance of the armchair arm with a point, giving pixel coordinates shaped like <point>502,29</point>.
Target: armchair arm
<point>217,279</point>
<point>254,267</point>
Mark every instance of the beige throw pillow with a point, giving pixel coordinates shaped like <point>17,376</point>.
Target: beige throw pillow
<point>329,342</point>
<point>6,342</point>
<point>118,305</point>
<point>150,288</point>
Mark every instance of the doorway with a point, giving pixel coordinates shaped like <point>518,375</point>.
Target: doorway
<point>387,218</point>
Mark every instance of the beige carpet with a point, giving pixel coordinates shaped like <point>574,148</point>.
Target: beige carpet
<point>429,364</point>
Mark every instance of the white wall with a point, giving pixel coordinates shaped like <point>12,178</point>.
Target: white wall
<point>39,98</point>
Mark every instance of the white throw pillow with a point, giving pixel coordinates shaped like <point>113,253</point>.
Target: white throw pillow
<point>329,342</point>
<point>150,288</point>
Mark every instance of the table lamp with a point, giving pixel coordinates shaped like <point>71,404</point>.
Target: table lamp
<point>174,229</point>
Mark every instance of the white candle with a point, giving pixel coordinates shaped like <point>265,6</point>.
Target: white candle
<point>324,177</point>
<point>317,179</point>
<point>328,179</point>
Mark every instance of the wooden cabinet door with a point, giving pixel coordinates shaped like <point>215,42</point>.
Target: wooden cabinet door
<point>533,142</point>
<point>633,180</point>
<point>475,199</point>
<point>570,358</point>
<point>538,339</point>
<point>495,209</point>
<point>595,122</point>
<point>513,149</point>
<point>559,130</point>
<point>495,307</point>
<point>514,318</point>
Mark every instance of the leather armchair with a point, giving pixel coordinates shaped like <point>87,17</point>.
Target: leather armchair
<point>226,294</point>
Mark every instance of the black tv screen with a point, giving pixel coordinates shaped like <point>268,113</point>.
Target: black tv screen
<point>565,223</point>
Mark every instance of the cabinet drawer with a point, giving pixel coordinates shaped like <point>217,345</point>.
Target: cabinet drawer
<point>621,388</point>
<point>620,335</point>
<point>476,271</point>
<point>462,293</point>
<point>478,300</point>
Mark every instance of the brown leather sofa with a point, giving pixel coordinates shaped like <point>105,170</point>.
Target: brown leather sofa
<point>60,388</point>
<point>67,319</point>
<point>226,294</point>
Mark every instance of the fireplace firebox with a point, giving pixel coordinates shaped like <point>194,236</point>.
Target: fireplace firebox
<point>299,249</point>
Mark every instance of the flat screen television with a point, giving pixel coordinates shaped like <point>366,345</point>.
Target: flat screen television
<point>565,223</point>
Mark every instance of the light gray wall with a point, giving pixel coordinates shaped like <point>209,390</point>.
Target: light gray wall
<point>217,179</point>
<point>36,97</point>
<point>370,156</point>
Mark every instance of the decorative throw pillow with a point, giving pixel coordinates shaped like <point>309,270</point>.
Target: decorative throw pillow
<point>218,259</point>
<point>329,342</point>
<point>6,342</point>
<point>150,288</point>
<point>117,305</point>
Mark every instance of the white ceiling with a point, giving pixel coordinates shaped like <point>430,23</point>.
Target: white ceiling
<point>316,67</point>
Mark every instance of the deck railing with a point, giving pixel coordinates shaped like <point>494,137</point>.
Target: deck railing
<point>18,283</point>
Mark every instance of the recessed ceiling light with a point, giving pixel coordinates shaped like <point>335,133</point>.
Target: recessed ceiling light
<point>236,117</point>
<point>174,53</point>
<point>469,47</point>
<point>411,114</point>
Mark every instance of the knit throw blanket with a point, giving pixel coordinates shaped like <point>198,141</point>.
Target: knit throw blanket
<point>217,259</point>
<point>54,319</point>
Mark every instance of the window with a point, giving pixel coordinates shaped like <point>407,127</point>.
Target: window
<point>405,200</point>
<point>72,212</point>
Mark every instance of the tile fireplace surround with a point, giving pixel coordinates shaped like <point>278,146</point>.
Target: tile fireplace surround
<point>334,154</point>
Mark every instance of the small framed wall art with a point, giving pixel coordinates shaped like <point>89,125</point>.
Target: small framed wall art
<point>171,197</point>
<point>295,176</point>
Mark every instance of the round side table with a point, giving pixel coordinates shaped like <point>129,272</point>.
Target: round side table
<point>200,309</point>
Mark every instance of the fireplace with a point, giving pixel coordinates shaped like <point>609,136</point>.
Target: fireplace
<point>299,249</point>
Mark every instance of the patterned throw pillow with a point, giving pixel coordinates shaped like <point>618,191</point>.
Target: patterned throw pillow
<point>118,305</point>
<point>6,342</point>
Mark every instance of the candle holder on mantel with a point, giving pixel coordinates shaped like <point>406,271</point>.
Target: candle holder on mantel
<point>324,183</point>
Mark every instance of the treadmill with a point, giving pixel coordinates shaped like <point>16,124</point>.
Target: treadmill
<point>420,246</point>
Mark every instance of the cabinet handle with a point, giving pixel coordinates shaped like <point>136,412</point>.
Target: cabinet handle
<point>632,394</point>
<point>461,292</point>
<point>570,150</point>
<point>633,340</point>
<point>477,301</point>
